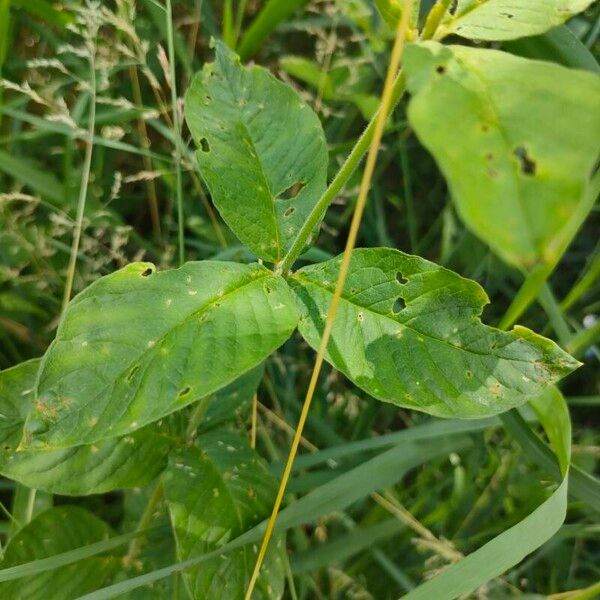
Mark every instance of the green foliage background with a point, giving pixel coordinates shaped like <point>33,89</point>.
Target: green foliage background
<point>396,496</point>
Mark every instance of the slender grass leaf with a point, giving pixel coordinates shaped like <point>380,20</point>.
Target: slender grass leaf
<point>41,565</point>
<point>408,332</point>
<point>215,492</point>
<point>32,175</point>
<point>514,544</point>
<point>582,485</point>
<point>46,11</point>
<point>272,13</point>
<point>138,345</point>
<point>385,469</point>
<point>129,461</point>
<point>508,19</point>
<point>529,134</point>
<point>559,45</point>
<point>340,549</point>
<point>56,531</point>
<point>261,151</point>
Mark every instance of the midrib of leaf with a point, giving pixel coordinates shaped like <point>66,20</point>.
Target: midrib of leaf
<point>151,351</point>
<point>267,187</point>
<point>306,282</point>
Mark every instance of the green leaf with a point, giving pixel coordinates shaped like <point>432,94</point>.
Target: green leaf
<point>261,151</point>
<point>408,332</point>
<point>138,345</point>
<point>215,492</point>
<point>528,134</point>
<point>559,45</point>
<point>34,176</point>
<point>130,461</point>
<point>228,403</point>
<point>514,544</point>
<point>508,19</point>
<point>55,531</point>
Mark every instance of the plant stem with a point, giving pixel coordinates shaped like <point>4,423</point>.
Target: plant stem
<point>137,542</point>
<point>434,18</point>
<point>385,106</point>
<point>338,183</point>
<point>582,340</point>
<point>253,421</point>
<point>584,284</point>
<point>177,128</point>
<point>536,278</point>
<point>85,177</point>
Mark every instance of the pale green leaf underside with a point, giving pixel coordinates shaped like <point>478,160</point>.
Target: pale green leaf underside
<point>516,140</point>
<point>434,354</point>
<point>55,531</point>
<point>215,492</point>
<point>138,345</point>
<point>508,19</point>
<point>130,461</point>
<point>258,144</point>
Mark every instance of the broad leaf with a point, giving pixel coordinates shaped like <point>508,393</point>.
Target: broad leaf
<point>215,492</point>
<point>55,531</point>
<point>508,19</point>
<point>129,461</point>
<point>559,45</point>
<point>261,151</point>
<point>230,402</point>
<point>157,549</point>
<point>522,145</point>
<point>138,345</point>
<point>408,332</point>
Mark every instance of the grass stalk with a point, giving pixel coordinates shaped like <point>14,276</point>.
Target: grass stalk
<point>379,124</point>
<point>85,177</point>
<point>177,128</point>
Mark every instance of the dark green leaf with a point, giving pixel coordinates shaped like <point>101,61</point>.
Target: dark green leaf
<point>216,492</point>
<point>55,531</point>
<point>409,332</point>
<point>138,345</point>
<point>261,151</point>
<point>129,461</point>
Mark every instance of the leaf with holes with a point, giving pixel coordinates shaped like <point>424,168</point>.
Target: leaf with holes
<point>216,491</point>
<point>130,461</point>
<point>409,332</point>
<point>138,345</point>
<point>57,530</point>
<point>508,19</point>
<point>261,151</point>
<point>528,134</point>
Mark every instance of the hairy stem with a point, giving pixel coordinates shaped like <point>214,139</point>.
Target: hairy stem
<point>385,106</point>
<point>338,183</point>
